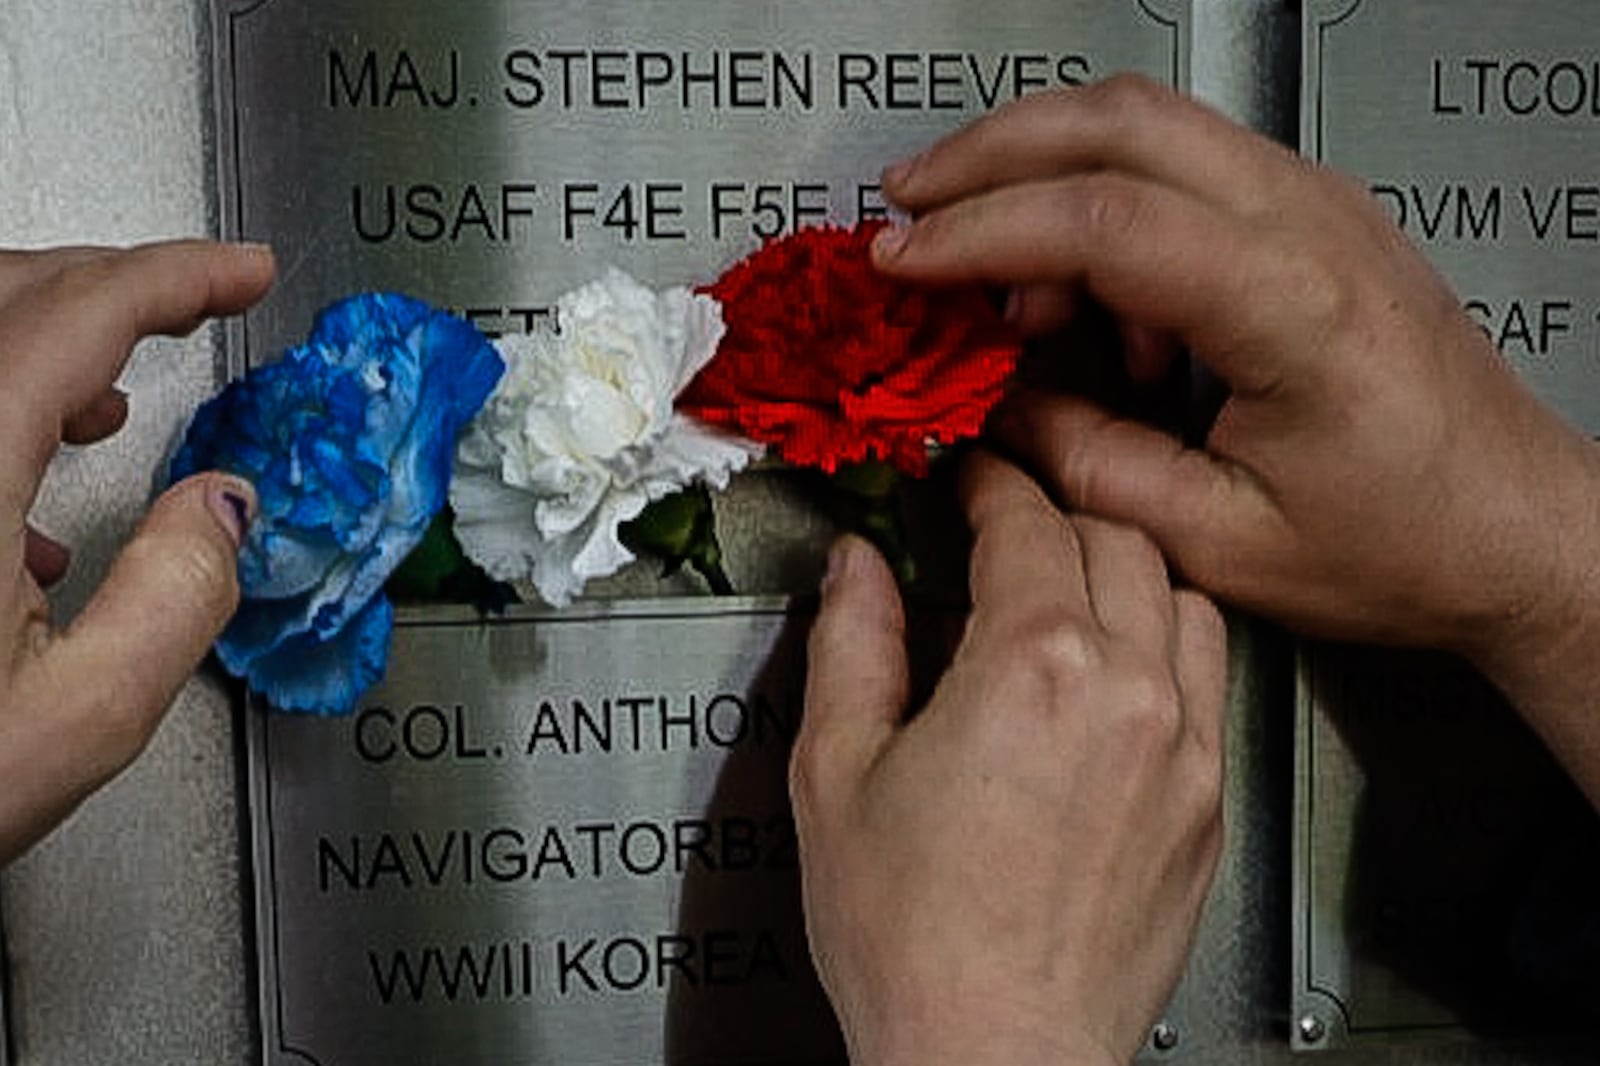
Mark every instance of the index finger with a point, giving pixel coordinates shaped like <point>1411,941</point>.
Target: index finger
<point>1026,557</point>
<point>1153,255</point>
<point>64,340</point>
<point>1127,123</point>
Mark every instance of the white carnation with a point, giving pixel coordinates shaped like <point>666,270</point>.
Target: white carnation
<point>581,434</point>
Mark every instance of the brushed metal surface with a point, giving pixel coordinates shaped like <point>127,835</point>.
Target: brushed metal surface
<point>1446,870</point>
<point>1475,123</point>
<point>488,157</point>
<point>1444,867</point>
<point>553,837</point>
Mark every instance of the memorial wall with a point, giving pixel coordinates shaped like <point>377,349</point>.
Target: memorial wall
<point>562,836</point>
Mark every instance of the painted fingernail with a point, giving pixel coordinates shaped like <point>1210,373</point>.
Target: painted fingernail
<point>233,506</point>
<point>891,241</point>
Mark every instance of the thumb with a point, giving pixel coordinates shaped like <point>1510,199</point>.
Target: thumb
<point>168,595</point>
<point>1198,508</point>
<point>857,675</point>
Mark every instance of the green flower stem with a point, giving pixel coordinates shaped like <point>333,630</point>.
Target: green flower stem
<point>680,529</point>
<point>716,577</point>
<point>865,500</point>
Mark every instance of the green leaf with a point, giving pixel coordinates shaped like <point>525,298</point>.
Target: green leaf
<point>438,571</point>
<point>679,529</point>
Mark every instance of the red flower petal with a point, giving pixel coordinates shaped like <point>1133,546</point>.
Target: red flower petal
<point>831,362</point>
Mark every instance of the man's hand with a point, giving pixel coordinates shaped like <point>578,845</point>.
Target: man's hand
<point>1013,875</point>
<point>77,705</point>
<point>1377,472</point>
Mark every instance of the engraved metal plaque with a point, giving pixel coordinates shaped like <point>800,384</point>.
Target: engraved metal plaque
<point>1445,869</point>
<point>458,874</point>
<point>464,871</point>
<point>1475,125</point>
<point>490,156</point>
<point>1444,872</point>
<point>550,838</point>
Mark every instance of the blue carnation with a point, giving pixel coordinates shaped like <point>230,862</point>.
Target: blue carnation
<point>349,441</point>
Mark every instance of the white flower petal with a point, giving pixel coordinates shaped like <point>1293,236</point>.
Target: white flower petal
<point>582,434</point>
<point>494,524</point>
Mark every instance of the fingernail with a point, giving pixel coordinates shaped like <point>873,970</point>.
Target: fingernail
<point>899,173</point>
<point>232,504</point>
<point>891,241</point>
<point>838,564</point>
<point>256,248</point>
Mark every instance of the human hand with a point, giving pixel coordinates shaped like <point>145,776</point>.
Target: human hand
<point>1377,471</point>
<point>78,704</point>
<point>1013,875</point>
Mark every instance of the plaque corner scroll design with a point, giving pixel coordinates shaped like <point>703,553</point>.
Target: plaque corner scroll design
<point>1330,12</point>
<point>1174,15</point>
<point>1320,17</point>
<point>1320,1022</point>
<point>288,1056</point>
<point>1164,11</point>
<point>233,9</point>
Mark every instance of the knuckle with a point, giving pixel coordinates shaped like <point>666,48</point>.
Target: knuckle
<point>1151,709</point>
<point>83,278</point>
<point>121,732</point>
<point>1324,296</point>
<point>1129,97</point>
<point>1204,785</point>
<point>199,569</point>
<point>1091,465</point>
<point>1110,210</point>
<point>1052,649</point>
<point>805,774</point>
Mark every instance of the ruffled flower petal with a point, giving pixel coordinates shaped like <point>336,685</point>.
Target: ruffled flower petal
<point>581,435</point>
<point>320,676</point>
<point>832,363</point>
<point>349,441</point>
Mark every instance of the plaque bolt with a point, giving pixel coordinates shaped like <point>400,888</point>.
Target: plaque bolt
<point>1312,1029</point>
<point>1164,1037</point>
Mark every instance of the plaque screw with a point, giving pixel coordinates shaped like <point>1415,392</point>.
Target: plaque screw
<point>1312,1030</point>
<point>1164,1037</point>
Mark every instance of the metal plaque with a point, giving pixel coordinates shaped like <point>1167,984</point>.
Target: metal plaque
<point>466,872</point>
<point>1446,871</point>
<point>490,156</point>
<point>1441,858</point>
<point>548,838</point>
<point>1475,125</point>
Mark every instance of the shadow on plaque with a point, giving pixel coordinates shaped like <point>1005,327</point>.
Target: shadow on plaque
<point>1474,866</point>
<point>780,1016</point>
<point>769,1007</point>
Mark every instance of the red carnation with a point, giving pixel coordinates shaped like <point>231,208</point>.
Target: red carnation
<point>832,362</point>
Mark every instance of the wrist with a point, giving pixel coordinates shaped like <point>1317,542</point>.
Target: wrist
<point>1543,649</point>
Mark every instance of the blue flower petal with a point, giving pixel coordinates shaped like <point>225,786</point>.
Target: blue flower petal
<point>327,676</point>
<point>349,440</point>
